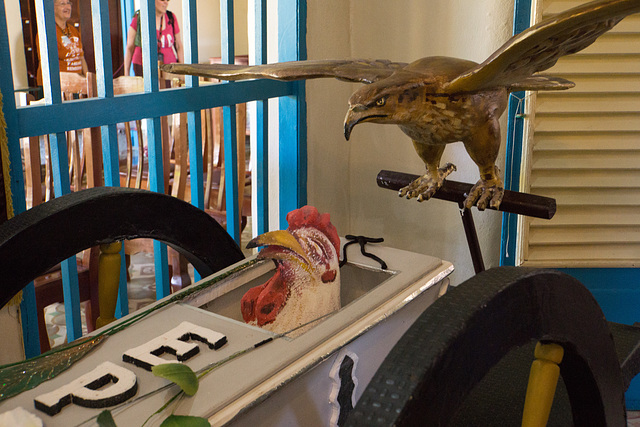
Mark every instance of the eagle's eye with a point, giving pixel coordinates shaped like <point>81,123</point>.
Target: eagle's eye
<point>381,101</point>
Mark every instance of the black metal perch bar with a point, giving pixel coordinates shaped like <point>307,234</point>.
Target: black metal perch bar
<point>454,191</point>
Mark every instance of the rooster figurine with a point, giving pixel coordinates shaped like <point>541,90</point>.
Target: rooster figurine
<point>306,284</point>
<point>439,100</point>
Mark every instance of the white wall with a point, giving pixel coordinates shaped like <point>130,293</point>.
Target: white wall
<point>209,27</point>
<point>11,333</point>
<point>342,174</point>
<point>16,44</point>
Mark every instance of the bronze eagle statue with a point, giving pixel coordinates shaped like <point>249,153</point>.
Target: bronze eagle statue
<point>439,100</point>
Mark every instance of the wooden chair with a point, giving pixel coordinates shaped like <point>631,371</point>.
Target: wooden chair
<point>100,216</point>
<point>85,171</point>
<point>213,159</point>
<point>124,85</point>
<point>38,188</point>
<point>214,165</point>
<point>85,165</point>
<point>133,84</point>
<point>175,161</point>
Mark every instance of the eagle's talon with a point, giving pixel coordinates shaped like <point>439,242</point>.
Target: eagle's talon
<point>497,198</point>
<point>484,194</point>
<point>424,187</point>
<point>446,170</point>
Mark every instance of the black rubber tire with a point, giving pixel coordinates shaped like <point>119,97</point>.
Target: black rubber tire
<point>450,348</point>
<point>39,238</point>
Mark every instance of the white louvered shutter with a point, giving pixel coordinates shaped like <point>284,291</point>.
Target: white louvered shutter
<point>583,149</point>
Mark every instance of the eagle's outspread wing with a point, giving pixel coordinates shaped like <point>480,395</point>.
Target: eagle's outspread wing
<point>539,47</point>
<point>351,70</point>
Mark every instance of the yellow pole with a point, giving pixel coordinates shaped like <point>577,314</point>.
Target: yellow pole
<point>543,379</point>
<point>108,282</point>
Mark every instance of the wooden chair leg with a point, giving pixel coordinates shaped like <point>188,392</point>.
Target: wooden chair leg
<point>48,177</point>
<point>42,329</point>
<point>140,169</point>
<point>90,260</point>
<point>543,379</point>
<point>180,273</point>
<point>127,136</point>
<point>33,181</point>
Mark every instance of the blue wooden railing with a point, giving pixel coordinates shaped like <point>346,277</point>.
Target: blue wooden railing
<point>105,111</point>
<point>515,129</point>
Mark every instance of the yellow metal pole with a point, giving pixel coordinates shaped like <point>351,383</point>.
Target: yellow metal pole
<point>108,282</point>
<point>543,379</point>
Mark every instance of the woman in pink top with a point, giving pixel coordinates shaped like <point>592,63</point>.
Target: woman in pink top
<point>167,31</point>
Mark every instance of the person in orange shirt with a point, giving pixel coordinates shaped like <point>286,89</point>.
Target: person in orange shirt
<point>70,52</point>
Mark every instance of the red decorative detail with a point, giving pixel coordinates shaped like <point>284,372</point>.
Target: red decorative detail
<point>308,216</point>
<point>248,303</point>
<point>263,303</point>
<point>329,276</point>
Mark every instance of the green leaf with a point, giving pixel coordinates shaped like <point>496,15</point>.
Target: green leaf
<point>184,421</point>
<point>179,374</point>
<point>105,419</point>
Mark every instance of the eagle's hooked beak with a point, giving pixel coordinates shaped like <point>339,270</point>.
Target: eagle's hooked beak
<point>354,116</point>
<point>275,241</point>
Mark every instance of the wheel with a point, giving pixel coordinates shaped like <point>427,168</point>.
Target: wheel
<point>41,237</point>
<point>454,344</point>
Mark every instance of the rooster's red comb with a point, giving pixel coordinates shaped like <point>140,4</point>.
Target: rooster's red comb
<point>308,216</point>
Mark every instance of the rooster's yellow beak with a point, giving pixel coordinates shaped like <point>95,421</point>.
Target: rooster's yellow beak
<point>283,239</point>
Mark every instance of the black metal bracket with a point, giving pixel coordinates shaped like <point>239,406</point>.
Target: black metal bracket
<point>454,191</point>
<point>362,241</point>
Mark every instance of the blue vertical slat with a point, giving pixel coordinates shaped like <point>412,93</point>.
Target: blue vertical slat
<point>102,47</point>
<point>161,264</point>
<point>229,123</point>
<point>515,122</point>
<point>190,38</point>
<point>104,67</point>
<point>149,45</point>
<point>59,158</point>
<point>154,134</point>
<point>47,43</point>
<point>292,30</point>
<point>29,321</point>
<point>28,313</point>
<point>190,42</point>
<point>261,221</point>
<point>156,183</point>
<point>69,267</point>
<point>194,121</point>
<point>127,12</point>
